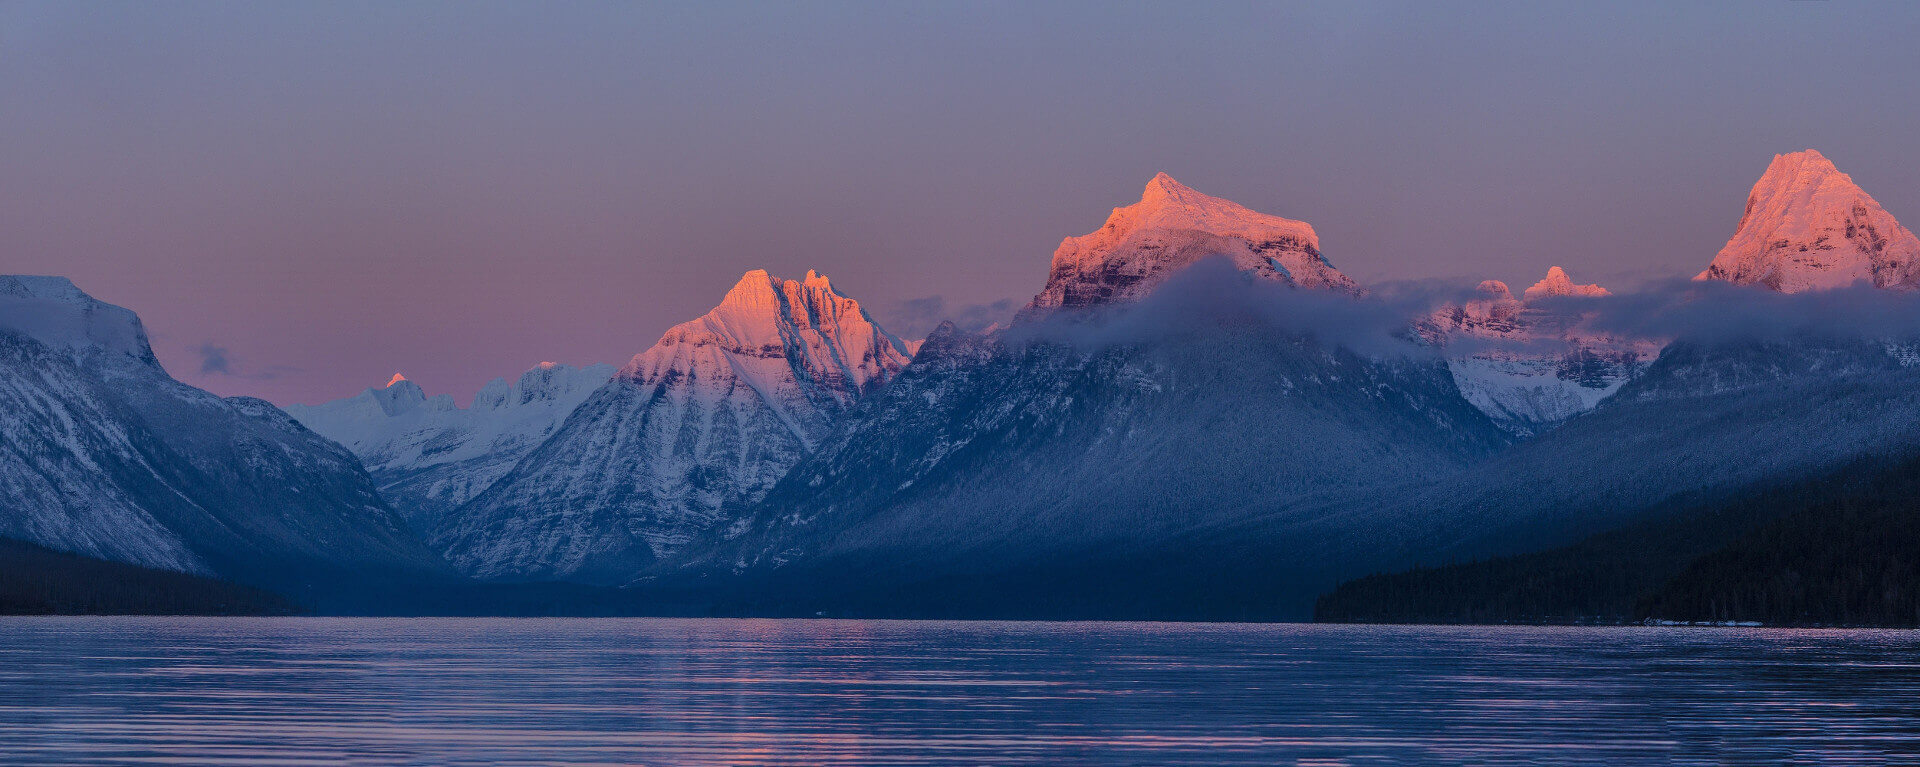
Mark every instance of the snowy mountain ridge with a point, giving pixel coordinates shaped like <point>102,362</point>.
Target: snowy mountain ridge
<point>713,413</point>
<point>428,455</point>
<point>103,454</point>
<point>57,313</point>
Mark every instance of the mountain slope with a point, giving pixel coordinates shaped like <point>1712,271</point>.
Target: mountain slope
<point>1100,426</point>
<point>714,413</point>
<point>1807,226</point>
<point>427,455</point>
<point>109,457</point>
<point>1832,549</point>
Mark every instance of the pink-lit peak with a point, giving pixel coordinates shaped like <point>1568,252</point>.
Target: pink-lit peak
<point>397,378</point>
<point>1557,283</point>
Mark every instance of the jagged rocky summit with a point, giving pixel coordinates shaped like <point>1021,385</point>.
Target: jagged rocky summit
<point>714,413</point>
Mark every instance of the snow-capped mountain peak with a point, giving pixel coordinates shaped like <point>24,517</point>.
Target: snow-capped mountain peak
<point>427,454</point>
<point>765,317</point>
<point>102,453</point>
<point>1170,228</point>
<point>712,414</point>
<point>1808,226</point>
<point>1528,363</point>
<point>398,396</point>
<point>55,312</point>
<point>1557,283</point>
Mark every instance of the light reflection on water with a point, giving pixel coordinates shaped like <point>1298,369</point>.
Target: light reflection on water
<point>620,691</point>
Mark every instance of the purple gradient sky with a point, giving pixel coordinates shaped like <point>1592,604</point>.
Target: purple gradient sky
<point>320,194</point>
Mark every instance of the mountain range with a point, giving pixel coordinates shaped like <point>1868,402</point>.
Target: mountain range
<point>103,454</point>
<point>1197,415</point>
<point>428,455</point>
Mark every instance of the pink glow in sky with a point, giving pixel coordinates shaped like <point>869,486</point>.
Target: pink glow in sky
<point>301,199</point>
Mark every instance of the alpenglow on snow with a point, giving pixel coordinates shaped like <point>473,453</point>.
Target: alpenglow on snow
<point>1807,226</point>
<point>713,414</point>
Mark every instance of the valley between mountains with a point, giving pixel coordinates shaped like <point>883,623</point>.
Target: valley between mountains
<point>1197,416</point>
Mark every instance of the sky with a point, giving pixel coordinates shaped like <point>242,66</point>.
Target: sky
<point>301,199</point>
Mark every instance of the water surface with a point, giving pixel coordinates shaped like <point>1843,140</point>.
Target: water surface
<point>615,691</point>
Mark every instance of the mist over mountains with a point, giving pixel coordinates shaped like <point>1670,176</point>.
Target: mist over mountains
<point>1197,416</point>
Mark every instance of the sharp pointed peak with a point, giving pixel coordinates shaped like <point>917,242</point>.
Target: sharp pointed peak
<point>1163,192</point>
<point>397,378</point>
<point>756,286</point>
<point>1809,226</point>
<point>1162,184</point>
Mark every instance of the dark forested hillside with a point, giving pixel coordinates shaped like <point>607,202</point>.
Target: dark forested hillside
<point>40,581</point>
<point>1838,549</point>
<point>1854,561</point>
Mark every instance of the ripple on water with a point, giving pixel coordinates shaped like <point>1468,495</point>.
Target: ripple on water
<point>741,692</point>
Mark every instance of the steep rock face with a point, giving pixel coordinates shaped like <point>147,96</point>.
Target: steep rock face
<point>1807,226</point>
<point>428,456</point>
<point>108,456</point>
<point>714,413</point>
<point>1530,364</point>
<point>1170,228</point>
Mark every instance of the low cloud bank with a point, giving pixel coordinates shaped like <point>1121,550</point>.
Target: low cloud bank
<point>1713,311</point>
<point>1381,324</point>
<point>1212,294</point>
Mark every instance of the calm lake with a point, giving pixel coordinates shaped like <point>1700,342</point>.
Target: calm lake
<point>614,691</point>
